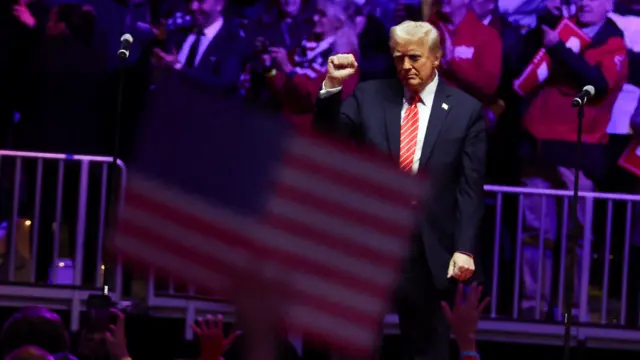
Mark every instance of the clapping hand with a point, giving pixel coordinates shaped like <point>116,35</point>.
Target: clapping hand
<point>160,31</point>
<point>280,59</point>
<point>167,59</point>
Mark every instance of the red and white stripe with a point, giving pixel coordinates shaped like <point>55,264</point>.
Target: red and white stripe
<point>409,136</point>
<point>333,234</point>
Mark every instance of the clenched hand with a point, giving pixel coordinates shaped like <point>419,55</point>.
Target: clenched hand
<point>339,68</point>
<point>461,266</point>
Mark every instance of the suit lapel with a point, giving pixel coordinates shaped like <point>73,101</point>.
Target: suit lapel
<point>216,47</point>
<point>393,116</point>
<point>439,111</point>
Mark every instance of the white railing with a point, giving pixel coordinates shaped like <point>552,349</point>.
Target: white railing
<point>508,255</point>
<point>39,194</point>
<point>593,202</point>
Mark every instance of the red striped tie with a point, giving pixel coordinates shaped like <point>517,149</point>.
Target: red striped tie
<point>409,134</point>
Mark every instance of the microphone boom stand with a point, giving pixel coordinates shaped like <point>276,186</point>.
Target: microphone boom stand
<point>113,165</point>
<point>573,240</point>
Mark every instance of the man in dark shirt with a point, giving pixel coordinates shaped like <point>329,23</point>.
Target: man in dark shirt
<point>213,53</point>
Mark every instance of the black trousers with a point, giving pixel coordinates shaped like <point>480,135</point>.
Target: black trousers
<point>424,330</point>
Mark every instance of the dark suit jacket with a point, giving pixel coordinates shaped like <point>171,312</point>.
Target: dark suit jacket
<point>223,61</point>
<point>453,157</point>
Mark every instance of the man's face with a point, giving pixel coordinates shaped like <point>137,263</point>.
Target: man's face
<point>453,6</point>
<point>206,11</point>
<point>415,65</point>
<point>290,7</point>
<point>593,12</point>
<point>483,8</point>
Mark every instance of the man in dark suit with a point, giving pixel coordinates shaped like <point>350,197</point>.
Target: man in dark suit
<point>214,52</point>
<point>427,127</point>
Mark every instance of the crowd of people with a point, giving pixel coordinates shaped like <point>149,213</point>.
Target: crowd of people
<point>61,79</point>
<point>37,333</point>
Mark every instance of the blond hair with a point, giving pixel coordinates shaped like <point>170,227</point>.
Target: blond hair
<point>416,30</point>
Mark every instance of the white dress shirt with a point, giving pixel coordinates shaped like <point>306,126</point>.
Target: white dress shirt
<point>424,111</point>
<point>209,33</point>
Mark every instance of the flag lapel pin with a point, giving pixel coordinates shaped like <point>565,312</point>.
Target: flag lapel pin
<point>445,106</point>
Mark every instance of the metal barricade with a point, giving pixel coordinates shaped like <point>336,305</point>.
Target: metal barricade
<point>596,230</point>
<point>505,239</point>
<point>503,234</point>
<point>48,196</point>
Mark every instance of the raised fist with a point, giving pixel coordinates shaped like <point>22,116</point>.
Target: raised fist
<point>339,68</point>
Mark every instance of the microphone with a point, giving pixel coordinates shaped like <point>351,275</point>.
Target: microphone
<point>587,92</point>
<point>125,46</point>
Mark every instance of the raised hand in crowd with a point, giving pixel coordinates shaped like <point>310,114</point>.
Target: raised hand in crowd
<point>464,317</point>
<point>116,339</point>
<point>280,59</point>
<point>213,343</point>
<point>23,14</point>
<point>339,68</point>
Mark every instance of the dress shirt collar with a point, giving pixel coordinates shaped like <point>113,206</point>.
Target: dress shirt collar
<point>211,30</point>
<point>426,94</point>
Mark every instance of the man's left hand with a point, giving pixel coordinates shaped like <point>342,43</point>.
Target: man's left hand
<point>461,266</point>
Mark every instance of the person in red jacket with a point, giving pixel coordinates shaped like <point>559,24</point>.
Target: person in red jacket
<point>296,79</point>
<point>552,122</point>
<point>471,50</point>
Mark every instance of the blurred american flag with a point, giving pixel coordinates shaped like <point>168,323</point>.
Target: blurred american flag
<point>327,223</point>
